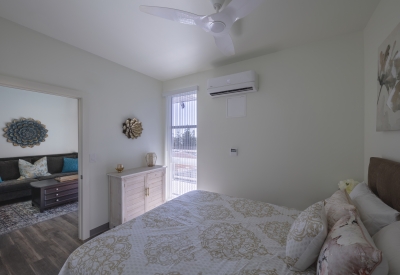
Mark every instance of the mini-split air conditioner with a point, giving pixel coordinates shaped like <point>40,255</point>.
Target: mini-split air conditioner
<point>234,84</point>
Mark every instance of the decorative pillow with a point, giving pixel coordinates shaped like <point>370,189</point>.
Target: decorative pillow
<point>337,206</point>
<point>361,189</point>
<point>349,249</point>
<point>374,213</point>
<point>306,237</point>
<point>1,180</point>
<point>31,171</point>
<point>388,240</point>
<point>70,165</point>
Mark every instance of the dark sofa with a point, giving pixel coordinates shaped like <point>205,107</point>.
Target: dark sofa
<point>11,188</point>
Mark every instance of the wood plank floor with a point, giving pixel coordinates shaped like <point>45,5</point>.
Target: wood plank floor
<point>40,249</point>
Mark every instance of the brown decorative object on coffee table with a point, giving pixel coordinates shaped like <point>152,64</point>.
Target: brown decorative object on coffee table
<point>67,178</point>
<point>49,193</point>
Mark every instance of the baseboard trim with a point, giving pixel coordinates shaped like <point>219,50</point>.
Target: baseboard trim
<point>100,229</point>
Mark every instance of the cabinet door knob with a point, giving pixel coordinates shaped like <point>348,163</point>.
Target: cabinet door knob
<point>56,194</point>
<point>56,189</point>
<point>57,199</point>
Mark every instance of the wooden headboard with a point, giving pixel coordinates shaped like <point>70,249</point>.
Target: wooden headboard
<point>384,181</point>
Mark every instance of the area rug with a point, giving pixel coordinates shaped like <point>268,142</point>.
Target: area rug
<point>21,214</point>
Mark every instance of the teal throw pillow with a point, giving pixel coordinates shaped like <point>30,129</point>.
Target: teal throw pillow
<point>1,180</point>
<point>70,165</point>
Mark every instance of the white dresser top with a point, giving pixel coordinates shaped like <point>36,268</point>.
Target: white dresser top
<point>139,170</point>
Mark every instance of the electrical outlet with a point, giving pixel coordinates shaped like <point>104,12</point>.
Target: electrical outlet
<point>233,152</point>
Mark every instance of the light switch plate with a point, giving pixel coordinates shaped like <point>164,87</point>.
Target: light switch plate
<point>93,158</point>
<point>233,152</point>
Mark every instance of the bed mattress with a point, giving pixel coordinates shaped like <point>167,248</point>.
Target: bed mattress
<point>198,233</point>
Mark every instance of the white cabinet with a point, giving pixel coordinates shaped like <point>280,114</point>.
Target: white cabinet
<point>134,192</point>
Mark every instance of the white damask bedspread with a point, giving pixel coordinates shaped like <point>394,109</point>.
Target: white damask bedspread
<point>198,233</point>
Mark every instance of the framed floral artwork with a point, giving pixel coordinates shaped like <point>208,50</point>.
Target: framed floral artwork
<point>388,99</point>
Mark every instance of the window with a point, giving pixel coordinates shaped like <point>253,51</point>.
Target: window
<point>181,143</point>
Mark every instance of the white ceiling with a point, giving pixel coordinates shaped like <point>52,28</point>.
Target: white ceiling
<point>118,31</point>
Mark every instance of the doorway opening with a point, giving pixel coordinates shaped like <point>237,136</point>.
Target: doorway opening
<point>38,159</point>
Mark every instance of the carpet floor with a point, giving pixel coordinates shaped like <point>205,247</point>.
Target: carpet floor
<point>21,214</point>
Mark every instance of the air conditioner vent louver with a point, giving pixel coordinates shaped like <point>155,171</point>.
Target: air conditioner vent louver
<point>232,91</point>
<point>241,83</point>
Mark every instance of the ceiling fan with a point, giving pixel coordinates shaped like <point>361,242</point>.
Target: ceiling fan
<point>217,24</point>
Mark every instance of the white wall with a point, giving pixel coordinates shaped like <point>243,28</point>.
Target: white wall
<point>116,93</point>
<point>382,23</point>
<point>303,131</point>
<point>59,114</point>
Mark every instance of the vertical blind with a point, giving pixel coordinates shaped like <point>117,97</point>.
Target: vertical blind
<point>181,144</point>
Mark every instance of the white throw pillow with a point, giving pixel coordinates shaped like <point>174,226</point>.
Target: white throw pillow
<point>361,189</point>
<point>31,171</point>
<point>388,240</point>
<point>306,237</point>
<point>375,214</point>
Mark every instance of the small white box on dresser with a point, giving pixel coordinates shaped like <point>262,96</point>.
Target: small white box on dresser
<point>134,192</point>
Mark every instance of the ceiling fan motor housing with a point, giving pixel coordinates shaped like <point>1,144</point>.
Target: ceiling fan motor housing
<point>217,26</point>
<point>217,4</point>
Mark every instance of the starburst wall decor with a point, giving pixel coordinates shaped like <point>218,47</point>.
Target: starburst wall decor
<point>132,128</point>
<point>25,132</point>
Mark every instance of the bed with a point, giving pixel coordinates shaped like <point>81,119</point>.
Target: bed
<point>203,233</point>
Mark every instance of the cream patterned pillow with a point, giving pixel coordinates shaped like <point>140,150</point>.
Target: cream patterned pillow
<point>306,237</point>
<point>31,171</point>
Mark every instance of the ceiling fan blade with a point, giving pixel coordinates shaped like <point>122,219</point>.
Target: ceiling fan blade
<point>183,17</point>
<point>225,44</point>
<point>240,8</point>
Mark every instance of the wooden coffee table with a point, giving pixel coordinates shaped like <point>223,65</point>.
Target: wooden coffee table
<point>49,193</point>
